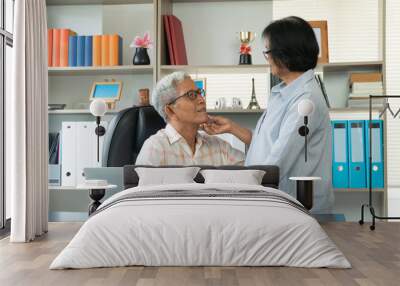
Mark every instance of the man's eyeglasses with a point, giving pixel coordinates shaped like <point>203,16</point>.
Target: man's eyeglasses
<point>191,94</point>
<point>265,53</point>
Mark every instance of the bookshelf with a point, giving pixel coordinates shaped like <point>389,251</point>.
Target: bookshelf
<point>358,190</point>
<point>96,2</point>
<point>108,70</point>
<point>235,111</point>
<point>71,85</point>
<point>261,68</point>
<point>231,69</point>
<point>64,188</point>
<point>349,66</point>
<point>78,111</point>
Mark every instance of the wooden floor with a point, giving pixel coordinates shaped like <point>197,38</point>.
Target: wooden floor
<point>374,255</point>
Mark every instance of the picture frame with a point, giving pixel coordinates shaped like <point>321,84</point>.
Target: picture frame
<point>109,91</point>
<point>321,33</point>
<point>201,83</point>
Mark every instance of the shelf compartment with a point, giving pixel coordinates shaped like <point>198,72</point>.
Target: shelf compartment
<point>234,111</point>
<point>348,66</point>
<point>109,70</point>
<point>96,2</point>
<point>354,109</point>
<point>216,68</point>
<point>358,190</point>
<point>261,68</point>
<point>78,111</point>
<point>63,188</point>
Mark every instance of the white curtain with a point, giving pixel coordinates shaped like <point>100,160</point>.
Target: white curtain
<point>27,123</point>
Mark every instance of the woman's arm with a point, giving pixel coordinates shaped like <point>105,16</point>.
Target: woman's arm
<point>219,125</point>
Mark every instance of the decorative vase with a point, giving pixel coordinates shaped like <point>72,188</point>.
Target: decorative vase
<point>141,57</point>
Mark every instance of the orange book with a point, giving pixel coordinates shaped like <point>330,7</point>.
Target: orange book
<point>115,50</point>
<point>365,77</point>
<point>97,50</point>
<point>50,47</point>
<point>56,48</point>
<point>105,50</point>
<point>64,40</point>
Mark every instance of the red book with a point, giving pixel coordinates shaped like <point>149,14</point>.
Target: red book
<point>56,48</point>
<point>169,41</point>
<point>178,41</point>
<point>50,47</point>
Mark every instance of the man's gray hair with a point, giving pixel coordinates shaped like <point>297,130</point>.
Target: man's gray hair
<point>165,91</point>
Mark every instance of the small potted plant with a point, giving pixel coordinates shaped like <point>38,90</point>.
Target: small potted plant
<point>141,45</point>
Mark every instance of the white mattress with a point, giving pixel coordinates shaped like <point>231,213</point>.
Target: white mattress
<point>200,231</point>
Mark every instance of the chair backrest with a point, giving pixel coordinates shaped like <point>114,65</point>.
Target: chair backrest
<point>126,134</point>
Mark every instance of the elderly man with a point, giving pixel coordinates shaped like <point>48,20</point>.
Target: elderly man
<point>183,106</point>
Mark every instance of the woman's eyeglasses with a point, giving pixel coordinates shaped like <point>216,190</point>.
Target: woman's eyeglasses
<point>191,94</point>
<point>265,53</point>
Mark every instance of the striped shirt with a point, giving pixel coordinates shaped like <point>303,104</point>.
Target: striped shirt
<point>168,147</point>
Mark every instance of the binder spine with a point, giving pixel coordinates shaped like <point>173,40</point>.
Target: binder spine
<point>357,157</point>
<point>88,51</point>
<point>80,51</point>
<point>375,128</point>
<point>72,51</point>
<point>340,154</point>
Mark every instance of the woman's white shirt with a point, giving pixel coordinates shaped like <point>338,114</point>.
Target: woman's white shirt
<point>276,140</point>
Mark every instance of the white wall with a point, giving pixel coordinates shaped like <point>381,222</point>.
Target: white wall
<point>354,26</point>
<point>211,39</point>
<point>85,20</point>
<point>128,21</point>
<point>392,80</point>
<point>229,86</point>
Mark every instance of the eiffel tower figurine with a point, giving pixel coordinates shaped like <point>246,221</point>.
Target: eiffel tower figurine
<point>253,101</point>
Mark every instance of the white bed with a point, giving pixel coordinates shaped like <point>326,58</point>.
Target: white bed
<point>267,229</point>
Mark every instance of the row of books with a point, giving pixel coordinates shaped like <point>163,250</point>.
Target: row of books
<point>361,86</point>
<point>67,49</point>
<point>175,41</point>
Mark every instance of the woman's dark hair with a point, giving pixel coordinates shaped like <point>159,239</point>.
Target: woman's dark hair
<point>292,43</point>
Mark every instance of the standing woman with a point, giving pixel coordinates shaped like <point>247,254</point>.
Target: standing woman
<point>291,50</point>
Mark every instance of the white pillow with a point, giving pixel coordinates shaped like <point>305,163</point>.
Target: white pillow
<point>166,176</point>
<point>248,177</point>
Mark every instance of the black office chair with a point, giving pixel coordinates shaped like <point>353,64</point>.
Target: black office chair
<point>126,134</point>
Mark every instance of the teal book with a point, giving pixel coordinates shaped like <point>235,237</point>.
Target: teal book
<point>72,51</point>
<point>80,61</point>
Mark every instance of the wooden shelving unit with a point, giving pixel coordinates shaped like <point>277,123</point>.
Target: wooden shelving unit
<point>216,69</point>
<point>78,111</point>
<point>96,2</point>
<point>344,66</point>
<point>109,70</point>
<point>64,188</point>
<point>234,111</point>
<point>358,190</point>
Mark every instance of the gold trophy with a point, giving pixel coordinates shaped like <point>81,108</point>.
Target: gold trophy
<point>245,49</point>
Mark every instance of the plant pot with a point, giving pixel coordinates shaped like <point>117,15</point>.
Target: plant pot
<point>141,57</point>
<point>245,59</point>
